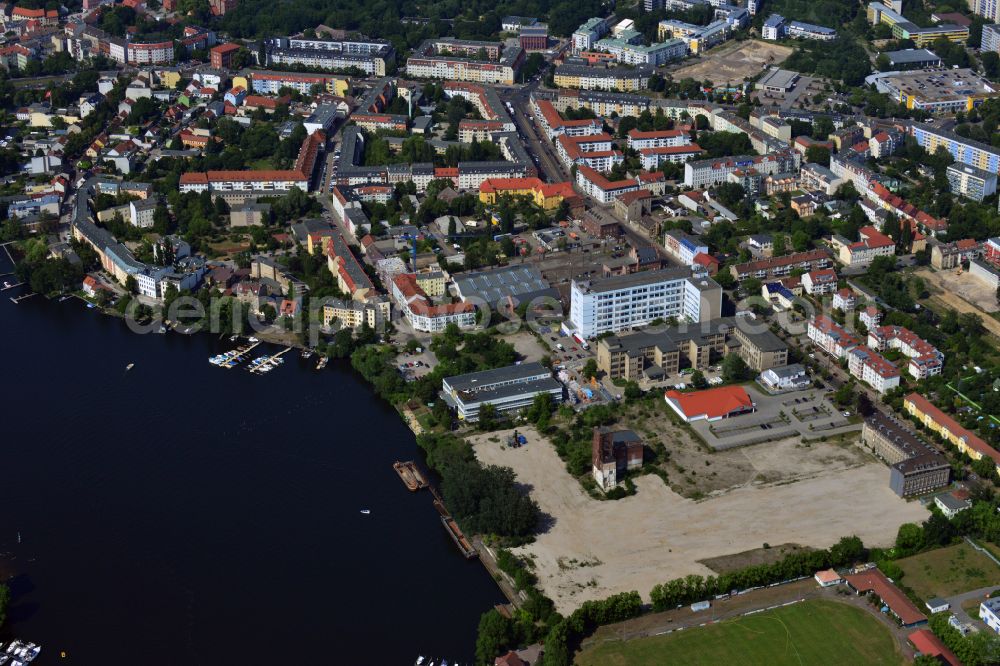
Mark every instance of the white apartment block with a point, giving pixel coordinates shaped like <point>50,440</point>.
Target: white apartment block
<point>706,173</point>
<point>624,302</point>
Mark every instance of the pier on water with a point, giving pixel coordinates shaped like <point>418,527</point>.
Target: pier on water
<point>271,362</point>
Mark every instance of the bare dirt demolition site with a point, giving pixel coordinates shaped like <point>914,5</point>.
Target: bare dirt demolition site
<point>733,61</point>
<point>595,548</point>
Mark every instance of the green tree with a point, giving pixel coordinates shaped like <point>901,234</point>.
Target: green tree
<point>632,391</point>
<point>494,636</point>
<point>910,537</point>
<point>818,154</point>
<point>698,379</point>
<point>734,368</point>
<point>589,369</point>
<point>487,417</point>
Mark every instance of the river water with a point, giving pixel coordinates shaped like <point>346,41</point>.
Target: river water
<point>184,513</point>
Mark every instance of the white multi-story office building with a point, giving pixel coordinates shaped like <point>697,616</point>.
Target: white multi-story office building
<point>507,389</point>
<point>990,9</point>
<point>623,302</point>
<point>971,182</point>
<point>991,38</point>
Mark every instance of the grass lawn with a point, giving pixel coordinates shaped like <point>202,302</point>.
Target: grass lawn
<point>811,632</point>
<point>948,571</point>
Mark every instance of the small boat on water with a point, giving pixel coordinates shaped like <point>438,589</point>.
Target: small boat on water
<point>365,511</point>
<point>129,367</point>
<point>253,340</point>
<point>65,297</point>
<point>322,363</point>
<point>234,338</point>
<point>7,285</point>
<point>91,306</point>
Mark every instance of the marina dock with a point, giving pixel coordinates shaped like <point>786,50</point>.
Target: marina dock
<point>410,474</point>
<point>17,299</point>
<point>232,358</point>
<point>265,364</point>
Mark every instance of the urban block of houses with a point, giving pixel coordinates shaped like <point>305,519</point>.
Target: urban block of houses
<point>422,314</point>
<point>925,359</point>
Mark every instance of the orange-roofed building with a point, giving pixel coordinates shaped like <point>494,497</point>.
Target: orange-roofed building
<point>948,428</point>
<point>827,578</point>
<point>875,582</point>
<point>929,645</point>
<point>447,173</point>
<point>546,195</point>
<point>711,404</point>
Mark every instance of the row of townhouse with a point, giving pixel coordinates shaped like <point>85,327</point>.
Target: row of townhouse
<point>85,41</point>
<point>269,83</point>
<point>935,420</point>
<point>778,267</point>
<point>373,57</point>
<point>436,59</point>
<point>584,77</point>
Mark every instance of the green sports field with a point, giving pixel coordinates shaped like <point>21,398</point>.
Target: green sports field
<point>811,632</point>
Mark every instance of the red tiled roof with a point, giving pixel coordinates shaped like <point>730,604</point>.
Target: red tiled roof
<point>672,150</point>
<point>601,182</point>
<point>707,260</point>
<point>712,403</point>
<point>788,259</point>
<point>656,134</point>
<point>418,302</point>
<point>225,48</point>
<point>491,185</point>
<point>875,581</point>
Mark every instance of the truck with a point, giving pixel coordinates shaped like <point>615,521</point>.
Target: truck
<point>583,343</point>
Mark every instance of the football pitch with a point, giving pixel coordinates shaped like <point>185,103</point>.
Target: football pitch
<point>810,632</point>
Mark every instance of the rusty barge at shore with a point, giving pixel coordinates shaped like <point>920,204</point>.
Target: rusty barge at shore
<point>410,474</point>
